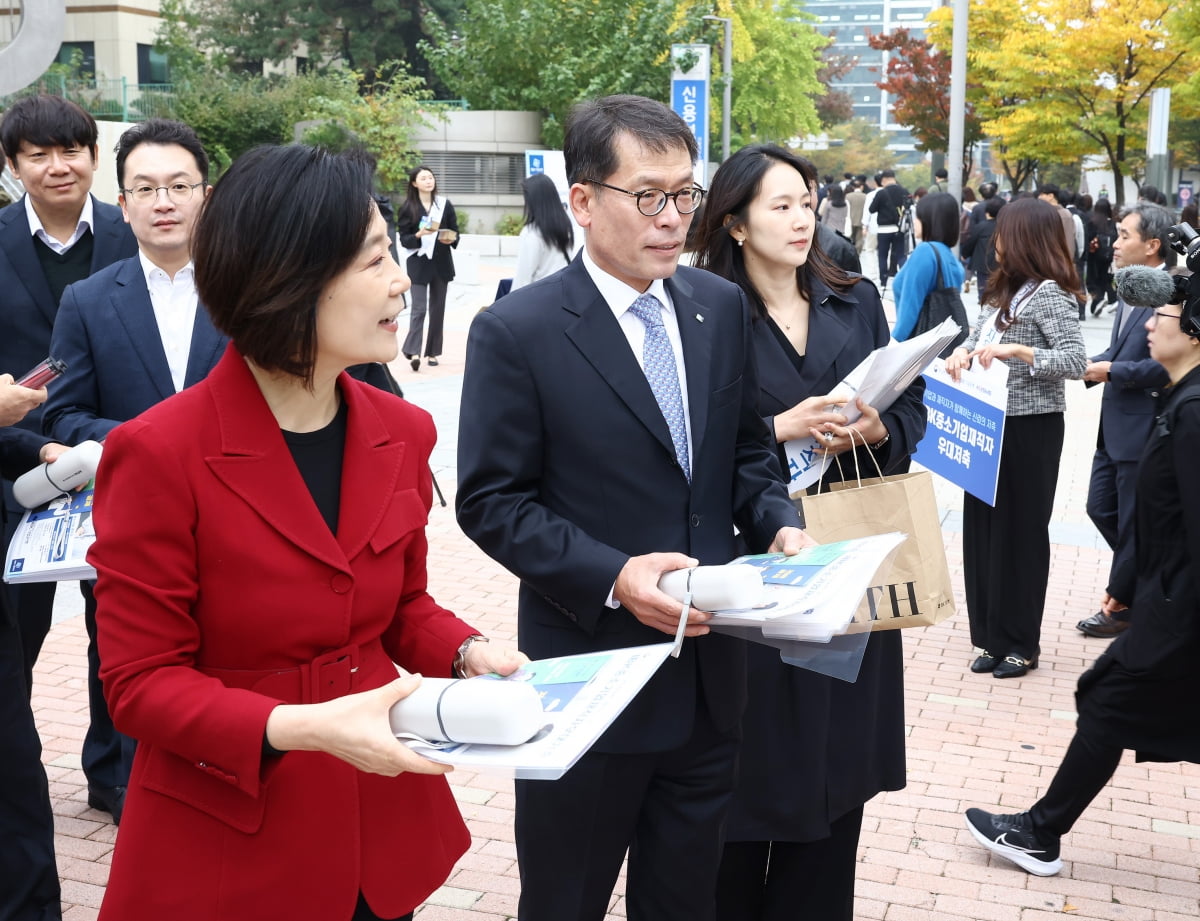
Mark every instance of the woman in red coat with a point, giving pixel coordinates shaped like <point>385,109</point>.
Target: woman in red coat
<point>261,578</point>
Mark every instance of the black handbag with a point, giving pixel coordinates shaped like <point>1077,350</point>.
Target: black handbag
<point>940,303</point>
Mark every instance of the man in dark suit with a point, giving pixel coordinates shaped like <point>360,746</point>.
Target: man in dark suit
<point>609,434</point>
<point>29,888</point>
<point>1127,411</point>
<point>55,235</point>
<point>132,335</point>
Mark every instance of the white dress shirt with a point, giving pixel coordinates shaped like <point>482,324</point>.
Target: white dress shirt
<point>174,302</point>
<point>38,230</point>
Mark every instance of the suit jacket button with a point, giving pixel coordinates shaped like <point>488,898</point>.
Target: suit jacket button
<point>341,583</point>
<point>695,521</point>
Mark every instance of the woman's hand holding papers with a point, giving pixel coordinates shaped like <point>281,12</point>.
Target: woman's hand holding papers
<point>809,417</point>
<point>961,359</point>
<point>868,429</point>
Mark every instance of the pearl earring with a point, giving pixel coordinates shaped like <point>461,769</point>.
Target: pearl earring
<point>741,242</point>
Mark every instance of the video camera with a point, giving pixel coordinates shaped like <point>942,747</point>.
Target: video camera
<point>1186,241</point>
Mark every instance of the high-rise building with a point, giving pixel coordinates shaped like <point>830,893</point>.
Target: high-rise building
<point>849,22</point>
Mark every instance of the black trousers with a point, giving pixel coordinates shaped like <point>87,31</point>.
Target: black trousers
<point>1006,548</point>
<point>429,298</point>
<point>892,252</point>
<point>29,888</point>
<point>666,808</point>
<point>1086,767</point>
<point>1111,494</point>
<point>107,754</point>
<point>791,880</point>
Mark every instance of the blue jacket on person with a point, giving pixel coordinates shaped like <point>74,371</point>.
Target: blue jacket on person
<point>916,278</point>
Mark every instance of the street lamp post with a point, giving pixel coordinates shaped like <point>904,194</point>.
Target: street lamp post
<point>727,78</point>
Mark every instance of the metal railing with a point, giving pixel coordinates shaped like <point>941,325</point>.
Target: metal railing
<point>110,100</point>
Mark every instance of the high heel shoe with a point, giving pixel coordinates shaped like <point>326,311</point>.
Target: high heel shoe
<point>1014,667</point>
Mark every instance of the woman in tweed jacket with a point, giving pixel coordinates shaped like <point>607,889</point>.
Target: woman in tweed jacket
<point>1029,320</point>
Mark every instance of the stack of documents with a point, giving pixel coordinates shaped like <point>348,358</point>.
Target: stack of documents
<point>51,543</point>
<point>813,595</point>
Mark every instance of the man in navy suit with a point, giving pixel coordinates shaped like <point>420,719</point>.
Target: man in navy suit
<point>572,477</point>
<point>132,335</point>
<point>1127,411</point>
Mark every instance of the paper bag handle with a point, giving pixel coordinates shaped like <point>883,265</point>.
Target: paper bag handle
<point>857,472</point>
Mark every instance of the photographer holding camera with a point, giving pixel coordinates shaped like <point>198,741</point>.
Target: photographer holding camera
<point>1131,697</point>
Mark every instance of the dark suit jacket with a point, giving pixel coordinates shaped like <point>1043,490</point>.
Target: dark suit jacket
<point>27,315</point>
<point>222,593</point>
<point>421,270</point>
<point>566,470</point>
<point>116,367</point>
<point>1128,406</point>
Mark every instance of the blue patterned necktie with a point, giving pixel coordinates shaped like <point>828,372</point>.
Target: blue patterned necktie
<point>658,358</point>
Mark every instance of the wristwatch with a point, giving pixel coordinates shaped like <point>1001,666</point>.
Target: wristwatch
<point>881,442</point>
<point>460,658</point>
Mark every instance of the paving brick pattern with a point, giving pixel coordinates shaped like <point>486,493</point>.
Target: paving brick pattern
<point>972,740</point>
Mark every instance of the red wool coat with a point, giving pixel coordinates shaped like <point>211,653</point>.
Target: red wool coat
<point>222,593</point>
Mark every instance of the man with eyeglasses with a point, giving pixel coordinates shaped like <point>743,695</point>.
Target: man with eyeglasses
<point>132,335</point>
<point>608,435</point>
<point>56,234</point>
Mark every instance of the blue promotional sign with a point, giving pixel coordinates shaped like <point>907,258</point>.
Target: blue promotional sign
<point>689,96</point>
<point>965,429</point>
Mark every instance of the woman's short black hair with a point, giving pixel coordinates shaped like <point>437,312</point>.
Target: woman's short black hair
<point>938,213</point>
<point>278,228</point>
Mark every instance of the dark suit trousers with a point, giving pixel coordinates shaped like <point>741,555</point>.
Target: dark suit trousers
<point>1006,548</point>
<point>29,889</point>
<point>792,880</point>
<point>666,808</point>
<point>432,297</point>
<point>32,603</point>
<point>1086,767</point>
<point>1110,502</point>
<point>107,754</point>
<point>892,255</point>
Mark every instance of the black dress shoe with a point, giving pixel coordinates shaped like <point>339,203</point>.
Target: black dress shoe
<point>1014,667</point>
<point>107,799</point>
<point>986,662</point>
<point>432,362</point>
<point>1102,625</point>
<point>416,363</point>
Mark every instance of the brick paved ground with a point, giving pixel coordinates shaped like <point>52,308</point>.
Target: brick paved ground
<point>972,740</point>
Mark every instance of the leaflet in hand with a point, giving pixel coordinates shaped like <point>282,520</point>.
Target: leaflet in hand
<point>51,543</point>
<point>879,379</point>
<point>581,696</point>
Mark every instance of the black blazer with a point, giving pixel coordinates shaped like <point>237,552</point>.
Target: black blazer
<point>27,316</point>
<point>421,270</point>
<point>116,366</point>
<point>566,469</point>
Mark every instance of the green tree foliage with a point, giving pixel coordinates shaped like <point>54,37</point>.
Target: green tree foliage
<point>835,106</point>
<point>856,146</point>
<point>545,55</point>
<point>776,55</point>
<point>359,34</point>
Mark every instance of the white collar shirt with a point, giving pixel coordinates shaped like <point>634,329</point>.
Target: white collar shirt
<point>174,301</point>
<point>37,229</point>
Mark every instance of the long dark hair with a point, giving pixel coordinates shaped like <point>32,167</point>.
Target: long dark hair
<point>734,187</point>
<point>544,212</point>
<point>413,207</point>
<point>1030,247</point>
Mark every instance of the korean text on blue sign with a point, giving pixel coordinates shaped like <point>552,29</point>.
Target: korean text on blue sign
<point>962,438</point>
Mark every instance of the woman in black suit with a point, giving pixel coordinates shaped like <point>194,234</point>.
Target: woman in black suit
<point>428,227</point>
<point>815,748</point>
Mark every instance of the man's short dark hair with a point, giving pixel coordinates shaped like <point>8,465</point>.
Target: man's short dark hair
<point>987,190</point>
<point>888,174</point>
<point>941,174</point>
<point>281,224</point>
<point>159,131</point>
<point>1047,188</point>
<point>1154,223</point>
<point>46,121</point>
<point>993,205</point>
<point>594,128</point>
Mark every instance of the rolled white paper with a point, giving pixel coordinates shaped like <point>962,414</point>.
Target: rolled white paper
<point>731,587</point>
<point>480,711</point>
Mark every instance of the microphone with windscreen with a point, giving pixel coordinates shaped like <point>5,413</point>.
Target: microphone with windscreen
<point>1141,286</point>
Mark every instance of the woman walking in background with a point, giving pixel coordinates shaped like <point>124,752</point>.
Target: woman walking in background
<point>547,240</point>
<point>1029,320</point>
<point>815,749</point>
<point>428,227</point>
<point>936,225</point>
<point>834,211</point>
<point>1103,233</point>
